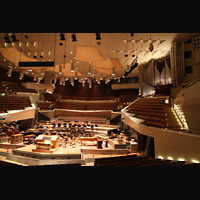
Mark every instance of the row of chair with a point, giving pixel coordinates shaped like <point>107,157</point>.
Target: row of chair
<point>122,98</point>
<point>152,110</point>
<point>147,110</point>
<point>69,105</point>
<point>17,87</point>
<point>77,106</point>
<point>88,98</point>
<point>52,97</point>
<point>134,160</point>
<point>13,103</point>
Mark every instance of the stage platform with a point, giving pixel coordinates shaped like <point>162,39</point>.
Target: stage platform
<point>60,156</point>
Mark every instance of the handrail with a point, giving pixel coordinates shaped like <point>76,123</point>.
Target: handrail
<point>192,83</point>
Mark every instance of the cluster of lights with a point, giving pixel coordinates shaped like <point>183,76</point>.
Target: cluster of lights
<point>180,116</point>
<point>179,159</point>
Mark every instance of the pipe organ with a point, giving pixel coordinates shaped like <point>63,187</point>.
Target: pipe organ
<point>177,64</point>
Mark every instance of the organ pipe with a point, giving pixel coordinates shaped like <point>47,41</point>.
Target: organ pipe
<point>177,64</point>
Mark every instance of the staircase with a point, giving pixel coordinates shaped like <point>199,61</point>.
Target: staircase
<point>173,122</point>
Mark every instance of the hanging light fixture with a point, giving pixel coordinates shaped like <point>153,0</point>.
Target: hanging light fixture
<point>10,71</point>
<point>14,38</point>
<point>21,75</point>
<point>113,71</point>
<point>74,38</point>
<point>35,77</point>
<point>98,36</point>
<point>35,55</point>
<point>90,83</point>
<point>76,75</point>
<point>63,80</point>
<point>60,69</point>
<point>55,79</point>
<point>89,70</point>
<point>62,36</point>
<point>72,67</point>
<point>7,39</point>
<point>42,55</point>
<point>72,81</point>
<point>42,71</point>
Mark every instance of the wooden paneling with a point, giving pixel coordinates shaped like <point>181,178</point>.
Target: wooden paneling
<point>97,90</point>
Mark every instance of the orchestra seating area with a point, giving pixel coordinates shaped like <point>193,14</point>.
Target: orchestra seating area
<point>88,98</point>
<point>122,98</point>
<point>13,103</point>
<point>127,98</point>
<point>51,97</point>
<point>69,105</point>
<point>134,160</point>
<point>152,110</point>
<point>2,89</point>
<point>46,105</point>
<point>16,87</point>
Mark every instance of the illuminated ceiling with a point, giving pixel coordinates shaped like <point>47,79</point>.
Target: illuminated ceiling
<point>115,51</point>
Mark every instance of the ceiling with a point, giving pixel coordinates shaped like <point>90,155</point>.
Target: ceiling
<point>112,50</point>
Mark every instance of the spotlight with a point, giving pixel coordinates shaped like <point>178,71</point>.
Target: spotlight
<point>35,55</point>
<point>98,36</point>
<point>7,39</point>
<point>132,34</point>
<point>60,69</point>
<point>74,38</point>
<point>14,38</point>
<point>62,36</point>
<point>41,55</point>
<point>26,36</point>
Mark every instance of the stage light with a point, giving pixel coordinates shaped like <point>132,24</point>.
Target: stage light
<point>35,55</point>
<point>74,38</point>
<point>14,38</point>
<point>72,67</point>
<point>132,34</point>
<point>10,71</point>
<point>113,71</point>
<point>76,75</point>
<point>89,70</point>
<point>42,71</point>
<point>60,69</point>
<point>7,39</point>
<point>62,36</point>
<point>42,53</point>
<point>90,83</point>
<point>98,36</point>
<point>35,77</point>
<point>26,36</point>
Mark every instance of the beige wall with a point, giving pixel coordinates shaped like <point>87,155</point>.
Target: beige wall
<point>168,144</point>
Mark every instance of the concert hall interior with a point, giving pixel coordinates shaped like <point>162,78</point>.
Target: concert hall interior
<point>99,99</point>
